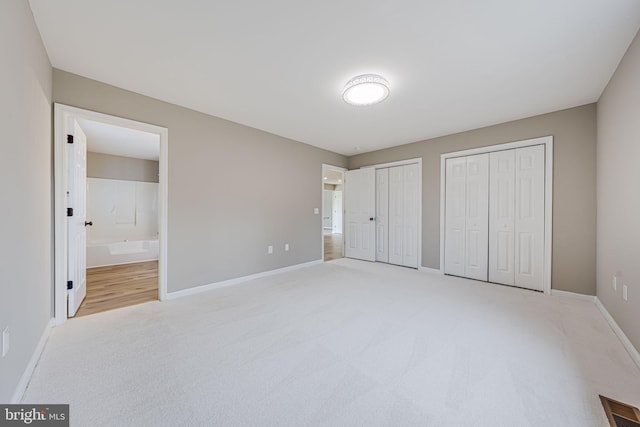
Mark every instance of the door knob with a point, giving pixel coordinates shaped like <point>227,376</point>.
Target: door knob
<point>371,219</point>
<point>89,223</point>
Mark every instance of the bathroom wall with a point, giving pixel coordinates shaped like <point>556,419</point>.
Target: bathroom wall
<point>101,165</point>
<point>121,210</point>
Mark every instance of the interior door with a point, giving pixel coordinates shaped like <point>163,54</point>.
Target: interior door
<point>382,215</point>
<point>455,215</point>
<point>77,238</point>
<point>360,205</point>
<point>529,217</point>
<point>410,220</point>
<point>396,214</point>
<point>477,221</point>
<point>502,177</point>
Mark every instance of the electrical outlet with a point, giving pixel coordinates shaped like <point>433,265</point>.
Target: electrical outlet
<point>625,292</point>
<point>316,211</point>
<point>286,247</point>
<point>270,249</point>
<point>615,283</point>
<point>5,341</point>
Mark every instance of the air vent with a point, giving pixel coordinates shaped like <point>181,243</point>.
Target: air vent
<point>620,414</point>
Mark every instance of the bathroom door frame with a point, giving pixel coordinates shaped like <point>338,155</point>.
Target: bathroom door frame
<point>325,167</point>
<point>62,114</point>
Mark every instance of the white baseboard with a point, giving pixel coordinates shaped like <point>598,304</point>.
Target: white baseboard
<point>573,295</point>
<point>429,270</point>
<point>28,371</point>
<point>633,352</point>
<point>231,282</point>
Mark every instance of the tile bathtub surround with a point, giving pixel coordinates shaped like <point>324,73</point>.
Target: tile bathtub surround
<point>343,343</point>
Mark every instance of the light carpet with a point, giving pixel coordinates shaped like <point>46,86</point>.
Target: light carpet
<point>346,343</point>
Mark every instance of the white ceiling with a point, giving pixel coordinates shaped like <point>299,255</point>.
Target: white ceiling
<point>118,141</point>
<point>280,65</point>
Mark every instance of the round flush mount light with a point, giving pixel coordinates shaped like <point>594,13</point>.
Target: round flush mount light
<point>366,89</point>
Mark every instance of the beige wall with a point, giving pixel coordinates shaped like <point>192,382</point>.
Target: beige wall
<point>619,194</point>
<point>223,207</point>
<point>100,165</point>
<point>574,195</point>
<point>25,167</point>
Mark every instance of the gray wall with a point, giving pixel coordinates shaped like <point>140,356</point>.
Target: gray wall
<point>618,193</point>
<point>25,168</point>
<point>224,209</point>
<point>101,165</point>
<point>574,181</point>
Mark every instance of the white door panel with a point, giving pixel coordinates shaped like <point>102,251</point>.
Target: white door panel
<point>410,221</point>
<point>359,193</point>
<point>77,238</point>
<point>455,215</point>
<point>501,217</point>
<point>382,215</point>
<point>396,214</point>
<point>529,217</point>
<point>337,212</point>
<point>477,221</point>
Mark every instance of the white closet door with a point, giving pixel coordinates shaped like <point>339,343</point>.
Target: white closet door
<point>396,214</point>
<point>455,215</point>
<point>477,221</point>
<point>502,179</point>
<point>410,220</point>
<point>529,217</point>
<point>360,207</point>
<point>382,215</point>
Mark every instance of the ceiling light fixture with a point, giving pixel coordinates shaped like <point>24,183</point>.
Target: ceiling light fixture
<point>366,89</point>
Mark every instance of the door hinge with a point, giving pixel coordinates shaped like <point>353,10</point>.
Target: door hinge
<point>69,139</point>
<point>69,284</point>
<point>69,211</point>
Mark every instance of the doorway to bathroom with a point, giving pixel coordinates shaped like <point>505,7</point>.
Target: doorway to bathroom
<point>111,183</point>
<point>332,212</point>
<point>122,216</point>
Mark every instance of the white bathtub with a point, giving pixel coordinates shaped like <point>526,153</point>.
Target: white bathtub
<point>100,254</point>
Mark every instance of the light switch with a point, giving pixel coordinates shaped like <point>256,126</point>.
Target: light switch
<point>316,211</point>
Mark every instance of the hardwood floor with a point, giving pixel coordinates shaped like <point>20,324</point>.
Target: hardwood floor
<point>119,286</point>
<point>332,246</point>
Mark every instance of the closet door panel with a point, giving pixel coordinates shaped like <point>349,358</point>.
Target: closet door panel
<point>410,220</point>
<point>529,217</point>
<point>501,216</point>
<point>455,215</point>
<point>477,217</point>
<point>382,215</point>
<point>396,214</point>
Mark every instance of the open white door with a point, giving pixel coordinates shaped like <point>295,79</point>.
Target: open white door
<point>77,238</point>
<point>360,205</point>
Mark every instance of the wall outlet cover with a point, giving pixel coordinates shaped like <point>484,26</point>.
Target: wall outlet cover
<point>270,249</point>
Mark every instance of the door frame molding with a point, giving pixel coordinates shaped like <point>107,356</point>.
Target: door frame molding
<point>418,161</point>
<point>61,114</point>
<point>325,167</point>
<point>547,141</point>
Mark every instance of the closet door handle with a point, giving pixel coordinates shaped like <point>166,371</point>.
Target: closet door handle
<point>89,223</point>
<point>371,219</point>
